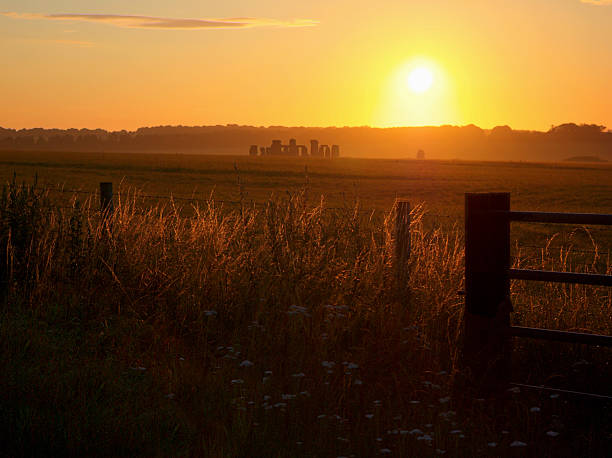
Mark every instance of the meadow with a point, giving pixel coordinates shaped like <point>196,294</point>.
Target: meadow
<point>279,324</point>
<point>374,182</point>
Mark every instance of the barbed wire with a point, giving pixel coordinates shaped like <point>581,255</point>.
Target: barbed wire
<point>247,203</point>
<point>139,195</point>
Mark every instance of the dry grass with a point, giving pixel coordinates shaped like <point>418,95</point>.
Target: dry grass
<point>261,331</point>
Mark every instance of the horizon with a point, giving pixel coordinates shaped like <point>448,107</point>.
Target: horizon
<point>528,65</point>
<point>606,129</point>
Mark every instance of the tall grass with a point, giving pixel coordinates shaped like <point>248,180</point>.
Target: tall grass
<point>280,330</point>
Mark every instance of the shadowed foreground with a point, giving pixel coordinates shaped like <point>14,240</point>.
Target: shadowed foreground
<point>276,331</point>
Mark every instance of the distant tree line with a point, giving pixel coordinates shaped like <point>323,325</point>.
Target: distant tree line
<point>460,142</point>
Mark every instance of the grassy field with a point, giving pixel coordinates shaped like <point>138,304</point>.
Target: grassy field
<point>439,186</point>
<point>375,183</point>
<point>283,329</point>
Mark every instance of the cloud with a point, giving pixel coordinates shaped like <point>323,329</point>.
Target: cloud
<point>597,2</point>
<point>79,43</point>
<point>150,22</point>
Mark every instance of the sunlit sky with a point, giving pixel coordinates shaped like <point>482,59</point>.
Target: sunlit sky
<point>526,63</point>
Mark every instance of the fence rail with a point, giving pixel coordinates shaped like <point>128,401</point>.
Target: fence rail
<point>487,279</point>
<point>559,218</point>
<point>560,277</point>
<point>560,336</point>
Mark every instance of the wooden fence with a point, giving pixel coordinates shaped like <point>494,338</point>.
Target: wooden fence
<point>487,329</point>
<point>487,281</point>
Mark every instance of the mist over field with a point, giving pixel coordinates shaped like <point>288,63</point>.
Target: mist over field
<point>590,142</point>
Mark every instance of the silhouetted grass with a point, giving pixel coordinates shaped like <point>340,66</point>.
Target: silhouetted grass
<point>263,331</point>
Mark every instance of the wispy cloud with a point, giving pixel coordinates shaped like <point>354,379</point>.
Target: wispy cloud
<point>79,43</point>
<point>597,2</point>
<point>150,22</point>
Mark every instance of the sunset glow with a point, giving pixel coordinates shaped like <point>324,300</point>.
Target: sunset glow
<point>119,65</point>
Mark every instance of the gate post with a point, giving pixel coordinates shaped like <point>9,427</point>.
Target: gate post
<point>487,287</point>
<point>106,198</point>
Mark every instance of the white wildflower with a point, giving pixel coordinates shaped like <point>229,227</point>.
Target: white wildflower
<point>518,444</point>
<point>415,431</point>
<point>534,409</point>
<point>369,416</point>
<point>385,451</point>
<point>237,381</point>
<point>552,433</point>
<point>246,363</point>
<point>297,310</point>
<point>492,444</point>
<point>444,400</point>
<point>299,375</point>
<point>328,364</point>
<point>210,312</point>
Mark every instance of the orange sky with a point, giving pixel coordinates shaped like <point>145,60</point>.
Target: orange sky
<point>528,64</point>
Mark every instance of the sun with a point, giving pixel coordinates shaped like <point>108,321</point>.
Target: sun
<point>420,79</point>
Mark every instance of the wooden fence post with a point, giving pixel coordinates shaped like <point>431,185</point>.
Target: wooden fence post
<point>106,198</point>
<point>487,287</point>
<point>402,237</point>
